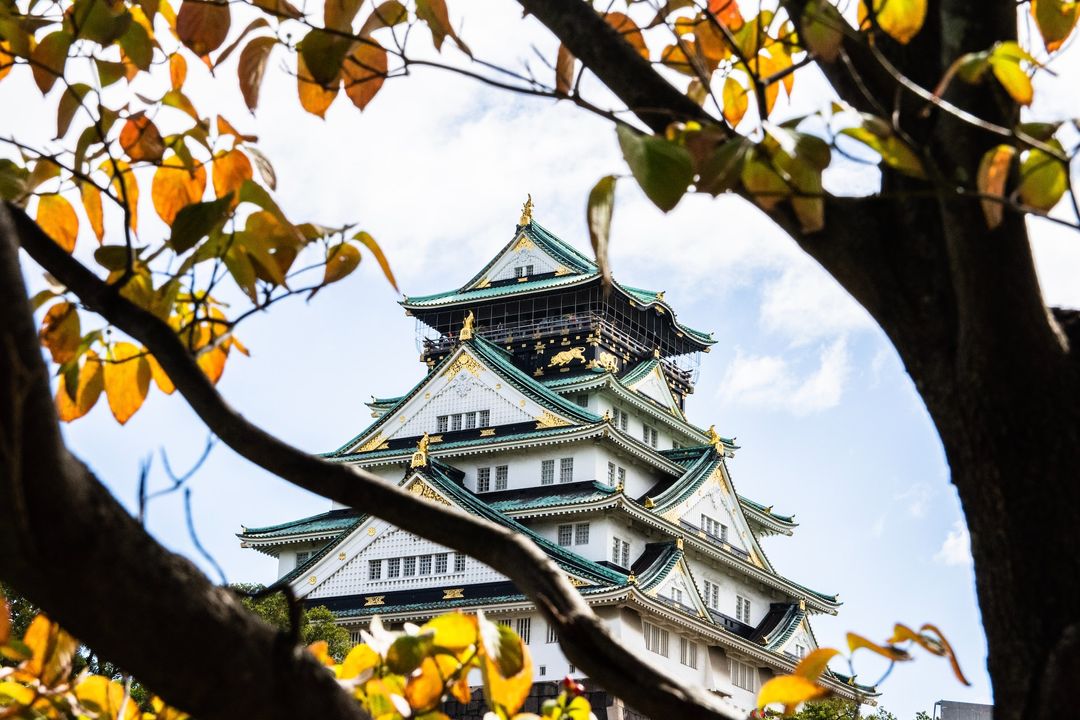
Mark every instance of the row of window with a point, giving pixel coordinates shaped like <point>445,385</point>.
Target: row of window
<point>566,471</point>
<point>744,676</point>
<point>656,641</point>
<point>483,478</point>
<point>573,534</point>
<point>523,627</point>
<point>463,421</point>
<point>523,271</point>
<point>415,565</point>
<point>711,596</point>
<point>616,474</point>
<point>714,528</point>
<point>620,552</point>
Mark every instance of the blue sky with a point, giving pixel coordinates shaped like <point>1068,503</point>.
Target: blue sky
<point>436,169</point>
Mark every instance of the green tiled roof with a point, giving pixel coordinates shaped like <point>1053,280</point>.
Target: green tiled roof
<point>783,519</point>
<point>451,297</point>
<point>473,442</point>
<point>656,572</point>
<point>327,522</point>
<point>550,496</point>
<point>560,251</point>
<point>784,633</point>
<point>638,372</point>
<point>686,485</point>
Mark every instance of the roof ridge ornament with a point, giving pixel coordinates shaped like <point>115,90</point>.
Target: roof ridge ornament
<point>467,329</point>
<point>715,440</point>
<point>526,212</point>
<point>420,457</point>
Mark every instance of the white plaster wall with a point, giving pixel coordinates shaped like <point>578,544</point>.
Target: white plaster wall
<point>287,556</point>
<point>503,269</point>
<point>731,586</point>
<point>524,467</point>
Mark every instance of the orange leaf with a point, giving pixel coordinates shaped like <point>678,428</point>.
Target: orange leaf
<point>727,13</point>
<point>141,140</point>
<point>60,332</point>
<point>990,179</point>
<point>161,378</point>
<point>811,666</point>
<point>91,199</point>
<point>341,260</point>
<point>425,687</point>
<point>892,653</point>
<point>202,25</point>
<point>212,362</point>
<point>564,70</point>
<point>6,60</point>
<point>57,218</point>
<point>127,380</point>
<point>229,172</point>
<point>313,97</point>
<point>321,650</point>
<point>789,691</point>
<point>369,242</point>
<point>91,383</point>
<point>174,187</point>
<point>1055,19</point>
<point>251,67</point>
<point>5,620</point>
<point>944,648</point>
<point>52,651</point>
<point>177,70</point>
<point>629,30</point>
<point>363,72</point>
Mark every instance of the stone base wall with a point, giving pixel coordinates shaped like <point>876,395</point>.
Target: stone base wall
<point>604,706</point>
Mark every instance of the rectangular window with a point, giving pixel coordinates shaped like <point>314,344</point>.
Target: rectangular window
<point>410,567</point>
<point>800,651</point>
<point>543,670</point>
<point>459,563</point>
<point>581,534</point>
<point>649,435</point>
<point>374,569</point>
<point>529,269</point>
<point>714,528</point>
<point>393,567</point>
<point>485,418</point>
<point>743,676</point>
<point>742,609</point>
<point>622,476</point>
<point>483,479</point>
<point>688,652</point>
<point>301,558</point>
<point>677,595</point>
<point>620,552</point>
<point>519,271</point>
<point>611,473</point>
<point>440,564</point>
<point>656,638</point>
<point>502,473</point>
<point>523,627</point>
<point>425,564</point>
<point>620,419</point>
<point>455,421</point>
<point>443,423</point>
<point>712,595</point>
<point>566,535</point>
<point>582,400</point>
<point>552,634</point>
<point>566,470</point>
<point>547,472</point>
<point>470,421</point>
<point>572,669</point>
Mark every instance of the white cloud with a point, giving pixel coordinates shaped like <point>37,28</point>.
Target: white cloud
<point>805,304</point>
<point>917,497</point>
<point>772,382</point>
<point>956,550</point>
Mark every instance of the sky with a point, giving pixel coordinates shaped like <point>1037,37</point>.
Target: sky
<point>436,169</point>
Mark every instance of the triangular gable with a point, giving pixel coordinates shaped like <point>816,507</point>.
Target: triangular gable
<point>535,246</point>
<point>679,577</point>
<point>471,379</point>
<point>654,385</point>
<point>800,636</point>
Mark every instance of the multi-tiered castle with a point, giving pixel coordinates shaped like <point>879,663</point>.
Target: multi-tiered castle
<point>557,409</point>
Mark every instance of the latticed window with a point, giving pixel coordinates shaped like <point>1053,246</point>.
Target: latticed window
<point>611,473</point>
<point>470,421</point>
<point>566,535</point>
<point>688,652</point>
<point>743,676</point>
<point>581,534</point>
<point>502,474</point>
<point>566,470</point>
<point>393,567</point>
<point>622,475</point>
<point>620,552</point>
<point>459,563</point>
<point>455,421</point>
<point>440,563</point>
<point>425,564</point>
<point>483,479</point>
<point>714,527</point>
<point>442,423</point>
<point>620,419</point>
<point>485,418</point>
<point>677,595</point>
<point>552,634</point>
<point>656,638</point>
<point>374,569</point>
<point>712,595</point>
<point>301,558</point>
<point>409,567</point>
<point>742,609</point>
<point>523,627</point>
<point>649,435</point>
<point>547,472</point>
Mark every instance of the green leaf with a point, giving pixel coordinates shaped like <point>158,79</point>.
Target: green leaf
<point>762,181</point>
<point>69,104</point>
<point>1043,178</point>
<point>323,55</point>
<point>600,208</point>
<point>407,652</point>
<point>99,20</point>
<point>877,135</point>
<point>49,58</point>
<point>662,168</point>
<point>721,172</point>
<point>385,14</point>
<point>1056,20</point>
<point>138,46</point>
<point>13,180</point>
<point>196,221</point>
<point>822,29</point>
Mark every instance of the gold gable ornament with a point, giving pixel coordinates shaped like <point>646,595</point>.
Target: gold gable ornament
<point>467,331</point>
<point>631,579</point>
<point>649,503</point>
<point>420,458</point>
<point>714,439</point>
<point>526,211</point>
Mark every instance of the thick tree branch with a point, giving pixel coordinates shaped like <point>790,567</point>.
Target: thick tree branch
<point>69,546</point>
<point>582,635</point>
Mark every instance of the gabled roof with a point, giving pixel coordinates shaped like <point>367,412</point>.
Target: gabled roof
<point>548,496</point>
<point>333,521</point>
<point>561,252</point>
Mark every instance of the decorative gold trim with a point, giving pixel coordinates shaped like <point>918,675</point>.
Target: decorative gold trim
<point>538,372</point>
<point>312,580</point>
<point>435,439</point>
<point>467,330</point>
<point>567,356</point>
<point>548,419</point>
<point>539,348</point>
<point>660,295</point>
<point>419,458</point>
<point>487,432</point>
<point>464,361</point>
<point>631,579</point>
<point>526,211</point>
<point>483,283</point>
<point>678,543</point>
<point>649,504</point>
<point>608,361</point>
<point>373,443</point>
<point>371,531</point>
<point>576,582</point>
<point>562,270</point>
<point>453,593</point>
<point>341,555</point>
<point>373,600</point>
<point>422,489</point>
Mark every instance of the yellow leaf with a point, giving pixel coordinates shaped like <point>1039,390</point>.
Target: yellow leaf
<point>174,187</point>
<point>900,19</point>
<point>161,378</point>
<point>91,199</point>
<point>763,182</point>
<point>6,60</point>
<point>57,218</point>
<point>360,660</point>
<point>936,644</point>
<point>127,380</point>
<point>230,170</point>
<point>20,694</point>
<point>1055,19</point>
<point>91,383</point>
<point>888,651</point>
<point>313,97</point>
<point>141,139</point>
<point>321,650</point>
<point>993,172</point>
<point>1043,179</point>
<point>52,651</point>
<point>424,688</point>
<point>789,691</point>
<point>60,332</point>
<point>126,187</point>
<point>177,70</point>
<point>454,631</point>
<point>811,666</point>
<point>1013,78</point>
<point>629,30</point>
<point>735,100</point>
<point>106,697</point>
<point>341,260</point>
<point>369,242</point>
<point>212,362</point>
<point>363,72</point>
<point>508,692</point>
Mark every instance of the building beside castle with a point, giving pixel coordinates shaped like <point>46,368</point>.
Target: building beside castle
<point>558,410</point>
